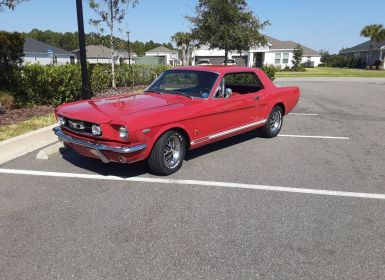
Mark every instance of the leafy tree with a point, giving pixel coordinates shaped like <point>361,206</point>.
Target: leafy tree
<point>376,32</point>
<point>10,4</point>
<point>325,56</point>
<point>183,40</point>
<point>11,53</point>
<point>297,58</point>
<point>226,24</point>
<point>111,13</point>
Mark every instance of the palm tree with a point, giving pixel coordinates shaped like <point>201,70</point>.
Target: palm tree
<point>376,33</point>
<point>183,40</point>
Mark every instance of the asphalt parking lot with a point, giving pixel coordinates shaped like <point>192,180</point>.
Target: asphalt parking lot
<point>309,204</point>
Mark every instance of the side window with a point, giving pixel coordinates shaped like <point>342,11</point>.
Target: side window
<point>285,59</point>
<point>278,58</point>
<point>243,83</point>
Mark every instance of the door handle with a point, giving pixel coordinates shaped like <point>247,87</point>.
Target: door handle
<point>256,97</point>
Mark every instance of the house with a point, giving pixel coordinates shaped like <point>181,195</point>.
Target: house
<point>124,56</point>
<point>275,52</point>
<point>42,53</point>
<point>101,54</point>
<point>164,55</point>
<point>361,52</point>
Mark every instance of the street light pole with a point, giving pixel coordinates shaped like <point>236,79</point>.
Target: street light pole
<point>82,50</point>
<point>129,58</point>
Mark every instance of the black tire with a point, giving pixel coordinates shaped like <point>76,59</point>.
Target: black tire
<point>273,123</point>
<point>160,161</point>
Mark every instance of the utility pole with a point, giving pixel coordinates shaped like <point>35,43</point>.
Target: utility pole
<point>82,50</point>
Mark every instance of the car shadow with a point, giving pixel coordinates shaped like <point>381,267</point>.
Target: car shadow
<point>223,144</point>
<point>140,168</point>
<point>106,169</point>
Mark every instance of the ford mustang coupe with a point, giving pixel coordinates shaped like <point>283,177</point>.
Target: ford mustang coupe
<point>184,108</point>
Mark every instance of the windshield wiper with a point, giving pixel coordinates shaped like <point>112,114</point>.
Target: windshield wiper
<point>154,91</point>
<point>180,93</point>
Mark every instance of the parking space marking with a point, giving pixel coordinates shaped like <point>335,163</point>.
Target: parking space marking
<point>195,183</point>
<point>315,137</point>
<point>303,114</point>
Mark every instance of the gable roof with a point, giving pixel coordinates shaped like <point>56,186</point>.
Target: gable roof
<point>364,47</point>
<point>38,47</point>
<point>95,51</point>
<point>124,53</point>
<point>290,45</point>
<point>159,49</point>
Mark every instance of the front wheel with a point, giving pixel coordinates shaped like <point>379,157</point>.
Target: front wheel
<point>168,153</point>
<point>273,123</point>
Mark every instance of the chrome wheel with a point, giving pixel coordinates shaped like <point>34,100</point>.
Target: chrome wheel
<point>172,151</point>
<point>275,121</point>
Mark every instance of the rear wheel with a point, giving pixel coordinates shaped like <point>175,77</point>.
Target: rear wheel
<point>273,123</point>
<point>168,153</point>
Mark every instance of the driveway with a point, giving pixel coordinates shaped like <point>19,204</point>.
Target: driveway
<point>309,204</point>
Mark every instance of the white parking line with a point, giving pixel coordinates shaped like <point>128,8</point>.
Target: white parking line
<point>303,114</point>
<point>196,183</point>
<point>314,136</point>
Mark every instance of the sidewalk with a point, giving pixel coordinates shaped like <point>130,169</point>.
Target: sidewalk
<point>26,143</point>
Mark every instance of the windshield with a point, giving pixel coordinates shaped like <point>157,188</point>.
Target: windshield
<point>185,82</point>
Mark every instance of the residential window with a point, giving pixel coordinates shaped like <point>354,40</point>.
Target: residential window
<point>278,58</point>
<point>285,59</point>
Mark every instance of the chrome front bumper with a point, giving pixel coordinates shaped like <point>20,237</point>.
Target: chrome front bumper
<point>95,146</point>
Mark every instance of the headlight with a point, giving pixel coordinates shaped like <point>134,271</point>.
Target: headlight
<point>61,120</point>
<point>96,130</point>
<point>123,133</point>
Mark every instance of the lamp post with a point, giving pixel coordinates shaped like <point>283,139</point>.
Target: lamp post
<point>82,50</point>
<point>129,58</point>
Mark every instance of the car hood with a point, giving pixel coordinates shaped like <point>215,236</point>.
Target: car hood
<point>105,110</point>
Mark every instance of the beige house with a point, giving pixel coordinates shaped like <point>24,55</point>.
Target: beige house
<point>101,54</point>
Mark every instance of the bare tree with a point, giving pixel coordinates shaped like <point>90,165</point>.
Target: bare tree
<point>10,4</point>
<point>111,13</point>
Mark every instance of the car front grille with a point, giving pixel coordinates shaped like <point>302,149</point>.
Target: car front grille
<point>78,126</point>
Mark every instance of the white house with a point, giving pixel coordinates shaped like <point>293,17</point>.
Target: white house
<point>42,53</point>
<point>101,54</point>
<point>275,52</point>
<point>170,57</point>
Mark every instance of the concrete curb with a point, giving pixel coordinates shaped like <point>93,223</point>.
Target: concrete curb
<point>26,143</point>
<point>49,151</point>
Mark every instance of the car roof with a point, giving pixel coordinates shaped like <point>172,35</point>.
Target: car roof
<point>218,68</point>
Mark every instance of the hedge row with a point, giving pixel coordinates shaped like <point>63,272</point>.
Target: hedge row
<point>36,84</point>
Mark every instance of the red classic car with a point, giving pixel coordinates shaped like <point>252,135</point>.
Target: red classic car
<point>184,108</point>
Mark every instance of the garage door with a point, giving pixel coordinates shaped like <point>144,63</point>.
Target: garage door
<point>241,60</point>
<point>218,60</point>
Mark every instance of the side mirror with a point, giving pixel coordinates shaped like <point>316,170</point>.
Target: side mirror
<point>228,92</point>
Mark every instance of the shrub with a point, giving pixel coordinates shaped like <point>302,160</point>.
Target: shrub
<point>270,70</point>
<point>11,52</point>
<point>6,100</point>
<point>36,84</point>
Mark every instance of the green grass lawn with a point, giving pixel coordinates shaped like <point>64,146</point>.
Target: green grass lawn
<point>12,130</point>
<point>333,72</point>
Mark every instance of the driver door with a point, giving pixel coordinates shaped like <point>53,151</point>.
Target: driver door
<point>240,109</point>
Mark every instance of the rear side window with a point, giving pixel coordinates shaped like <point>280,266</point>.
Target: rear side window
<point>243,83</point>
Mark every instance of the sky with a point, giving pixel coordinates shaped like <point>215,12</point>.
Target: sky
<point>326,24</point>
